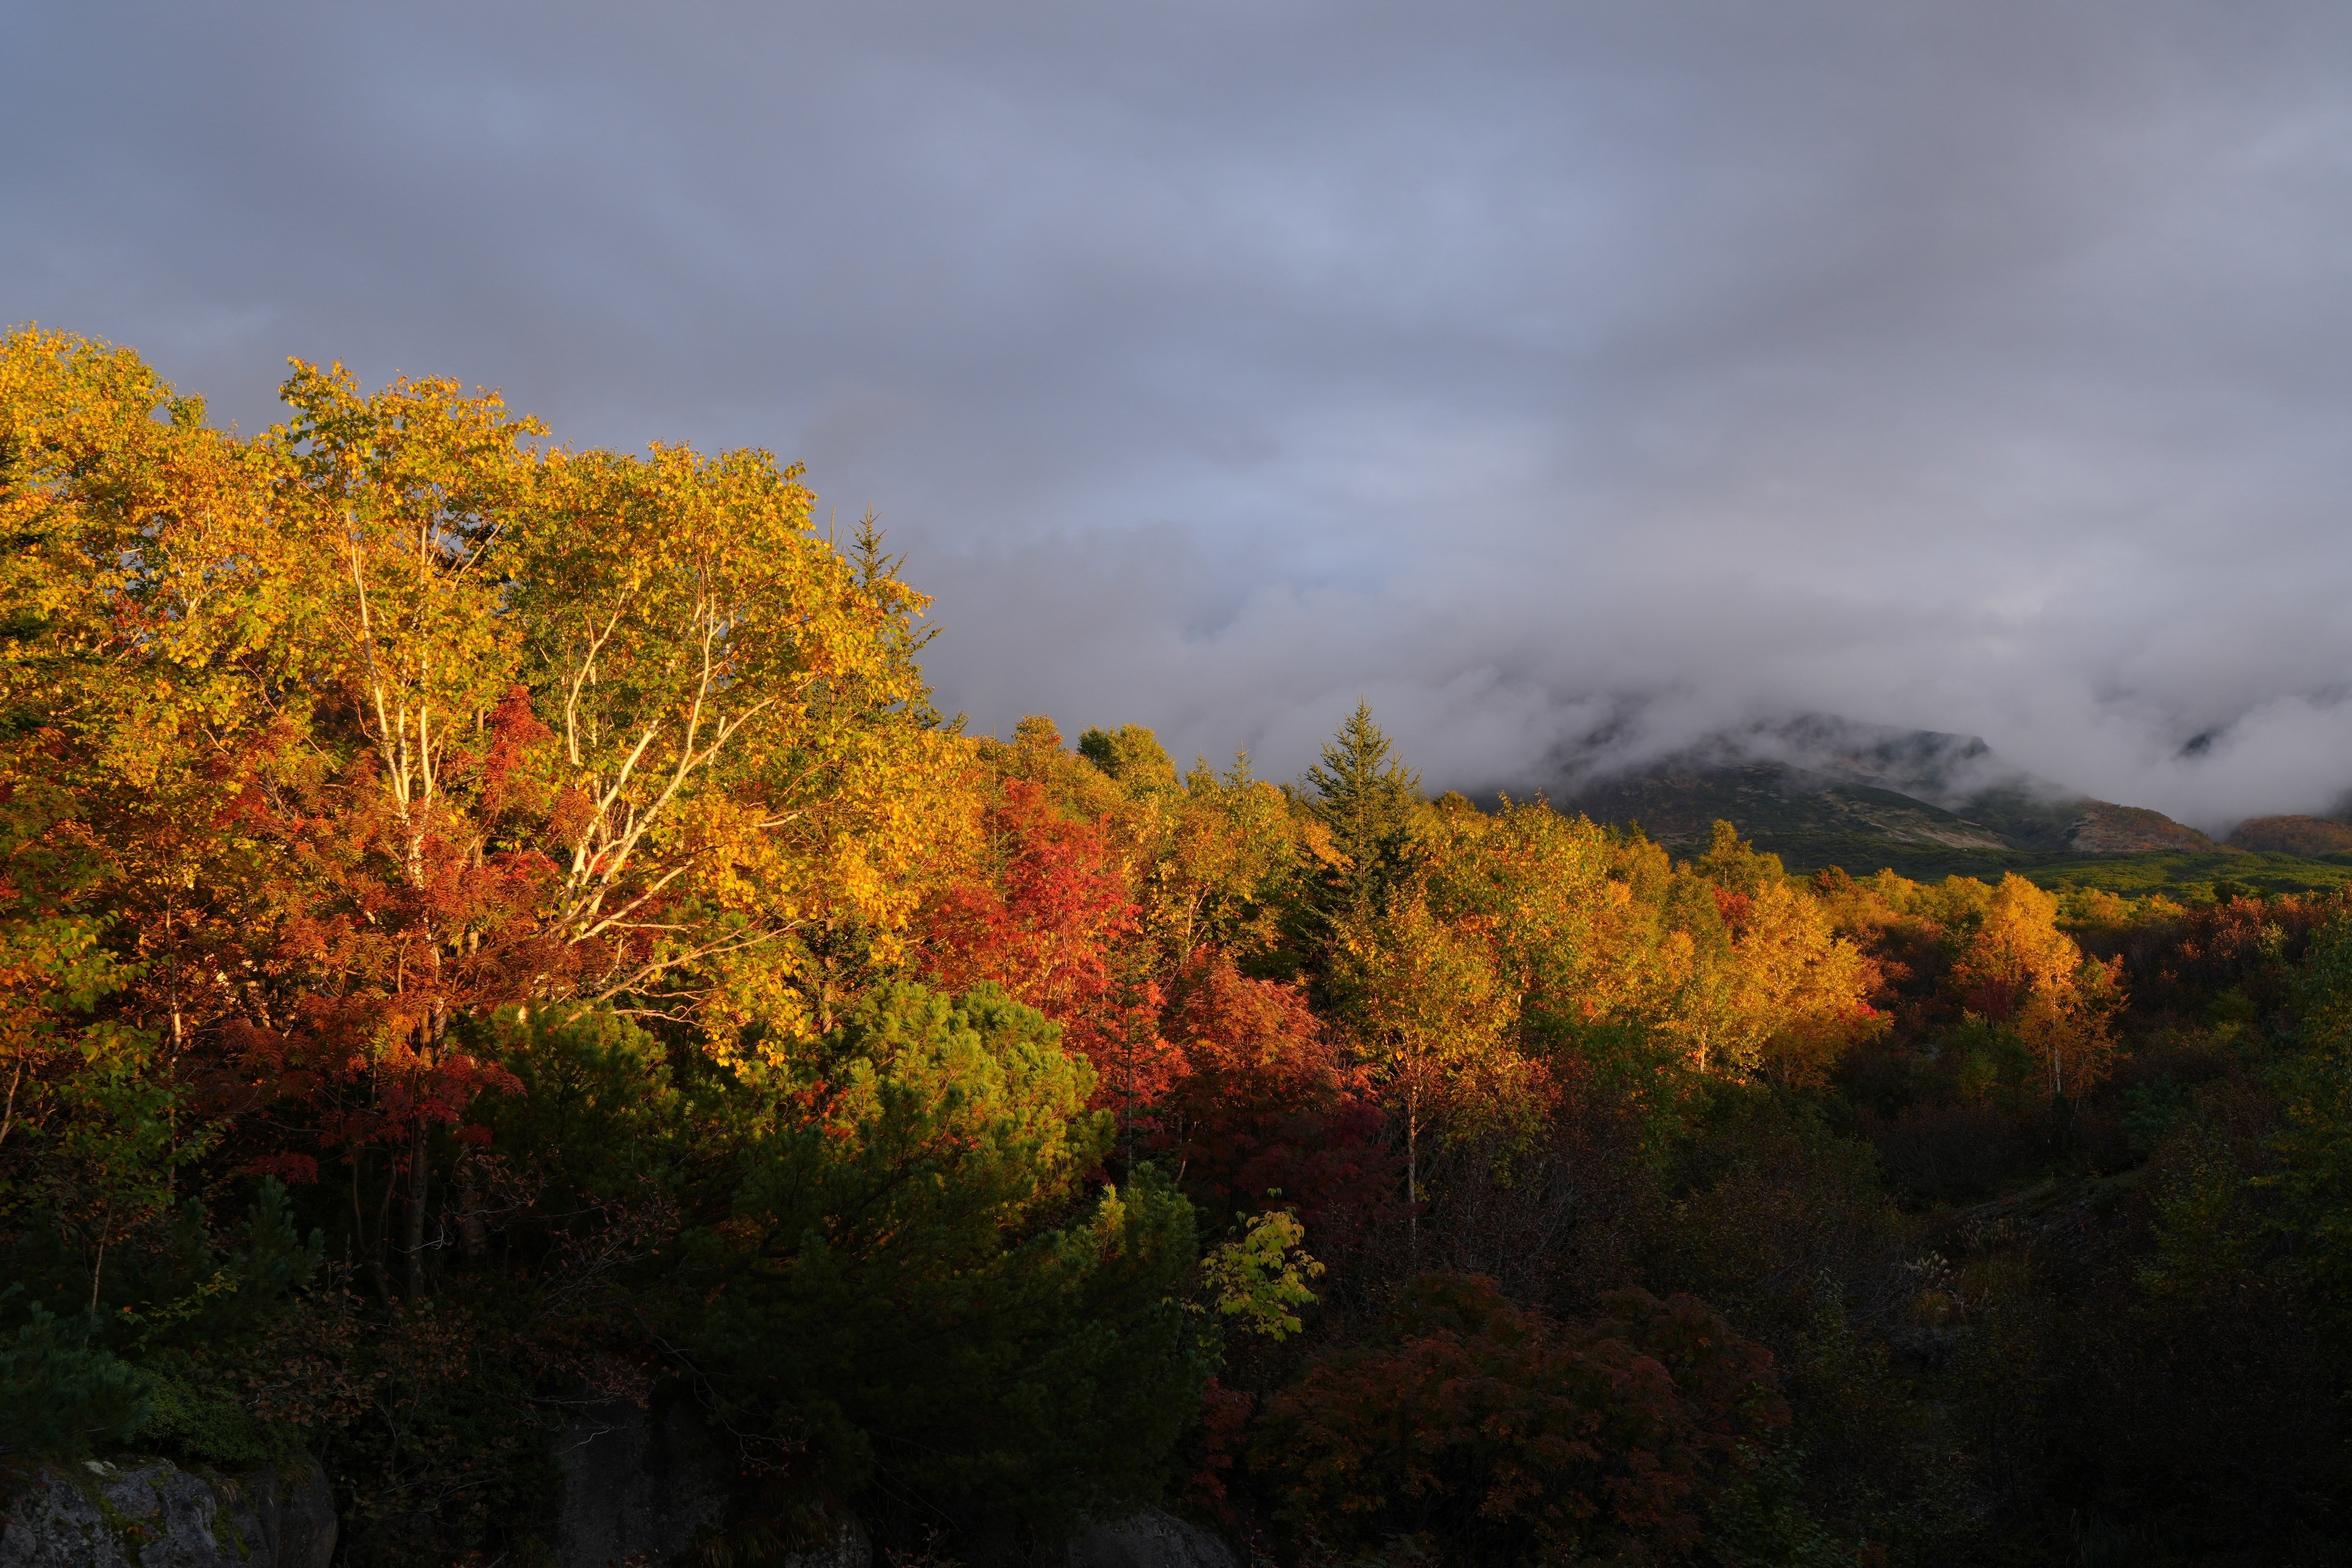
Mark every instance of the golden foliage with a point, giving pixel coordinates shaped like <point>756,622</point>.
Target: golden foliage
<point>2020,970</point>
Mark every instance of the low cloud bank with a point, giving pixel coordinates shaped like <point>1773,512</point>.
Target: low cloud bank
<point>1538,678</point>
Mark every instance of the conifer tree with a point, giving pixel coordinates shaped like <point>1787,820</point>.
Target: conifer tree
<point>1132,754</point>
<point>1365,799</point>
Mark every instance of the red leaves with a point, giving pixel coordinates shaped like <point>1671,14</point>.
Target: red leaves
<point>294,1170</point>
<point>1266,1105</point>
<point>1236,1083</point>
<point>1224,1420</point>
<point>360,1079</point>
<point>1043,929</point>
<point>1498,1425</point>
<point>572,814</point>
<point>1052,928</point>
<point>1734,908</point>
<point>1995,998</point>
<point>514,730</point>
<point>395,922</point>
<point>2243,942</point>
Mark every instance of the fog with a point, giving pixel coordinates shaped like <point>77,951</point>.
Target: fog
<point>1571,381</point>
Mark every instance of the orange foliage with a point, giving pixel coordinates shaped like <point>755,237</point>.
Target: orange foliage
<point>2020,970</point>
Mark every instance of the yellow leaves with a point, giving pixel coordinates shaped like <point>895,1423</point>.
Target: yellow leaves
<point>1424,1002</point>
<point>2098,908</point>
<point>740,747</point>
<point>1576,915</point>
<point>1320,846</point>
<point>2019,969</point>
<point>419,459</point>
<point>2018,948</point>
<point>1756,979</point>
<point>1260,1279</point>
<point>1728,956</point>
<point>732,706</point>
<point>1225,848</point>
<point>1797,997</point>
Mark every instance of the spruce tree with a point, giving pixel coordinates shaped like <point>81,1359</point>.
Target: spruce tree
<point>1131,754</point>
<point>1367,799</point>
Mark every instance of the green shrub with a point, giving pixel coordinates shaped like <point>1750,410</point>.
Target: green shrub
<point>59,1396</point>
<point>913,1289</point>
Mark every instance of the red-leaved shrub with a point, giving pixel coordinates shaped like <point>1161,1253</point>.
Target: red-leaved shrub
<point>1489,1433</point>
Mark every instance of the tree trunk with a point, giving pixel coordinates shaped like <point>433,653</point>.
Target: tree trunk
<point>437,1032</point>
<point>1413,1169</point>
<point>9,1113</point>
<point>98,1269</point>
<point>417,1176</point>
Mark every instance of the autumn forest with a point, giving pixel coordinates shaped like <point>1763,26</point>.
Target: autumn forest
<point>492,930</point>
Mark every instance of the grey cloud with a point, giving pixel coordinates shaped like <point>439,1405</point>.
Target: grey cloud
<point>1974,367</point>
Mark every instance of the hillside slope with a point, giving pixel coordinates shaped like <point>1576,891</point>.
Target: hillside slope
<point>2292,836</point>
<point>1822,791</point>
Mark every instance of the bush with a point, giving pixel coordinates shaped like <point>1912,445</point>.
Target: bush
<point>1482,1432</point>
<point>913,1295</point>
<point>59,1396</point>
<point>1956,1153</point>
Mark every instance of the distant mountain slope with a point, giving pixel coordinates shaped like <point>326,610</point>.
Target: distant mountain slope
<point>2292,836</point>
<point>2105,829</point>
<point>1678,802</point>
<point>1824,791</point>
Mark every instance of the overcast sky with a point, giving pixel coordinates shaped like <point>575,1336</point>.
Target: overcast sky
<point>1972,367</point>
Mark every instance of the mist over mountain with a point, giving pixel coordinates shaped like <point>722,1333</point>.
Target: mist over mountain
<point>1823,790</point>
<point>1533,679</point>
<point>1947,769</point>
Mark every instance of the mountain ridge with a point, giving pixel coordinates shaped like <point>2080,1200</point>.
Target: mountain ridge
<point>1820,789</point>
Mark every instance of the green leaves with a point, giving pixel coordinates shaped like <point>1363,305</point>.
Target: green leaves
<point>1260,1277</point>
<point>909,1278</point>
<point>1365,799</point>
<point>60,1396</point>
<point>2314,1146</point>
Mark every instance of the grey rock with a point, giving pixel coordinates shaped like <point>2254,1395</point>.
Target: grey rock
<point>639,1484</point>
<point>636,1483</point>
<point>1150,1538</point>
<point>154,1515</point>
<point>287,1513</point>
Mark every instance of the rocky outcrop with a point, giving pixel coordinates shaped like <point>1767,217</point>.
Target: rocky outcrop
<point>640,1485</point>
<point>293,1513</point>
<point>153,1514</point>
<point>1150,1538</point>
<point>637,1483</point>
